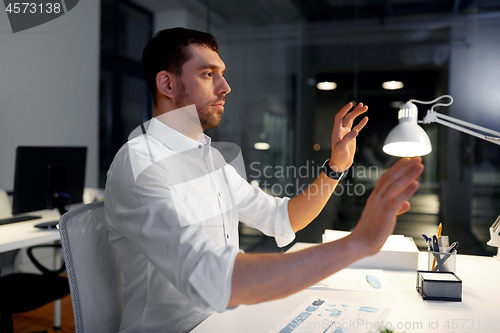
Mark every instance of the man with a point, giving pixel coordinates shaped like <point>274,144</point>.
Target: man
<point>173,204</point>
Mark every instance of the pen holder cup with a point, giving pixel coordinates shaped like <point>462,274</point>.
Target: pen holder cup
<point>442,261</point>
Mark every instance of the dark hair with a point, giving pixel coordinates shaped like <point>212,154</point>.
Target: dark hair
<point>166,51</point>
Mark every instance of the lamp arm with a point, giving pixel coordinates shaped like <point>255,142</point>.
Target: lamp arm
<point>465,123</point>
<point>468,131</point>
<point>435,117</point>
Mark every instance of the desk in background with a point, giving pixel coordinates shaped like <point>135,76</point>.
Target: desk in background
<point>20,235</point>
<point>479,310</point>
<point>24,234</point>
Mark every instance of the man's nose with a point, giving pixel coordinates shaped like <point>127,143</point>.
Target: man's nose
<point>224,87</point>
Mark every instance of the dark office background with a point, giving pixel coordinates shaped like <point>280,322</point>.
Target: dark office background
<point>276,51</point>
<point>77,81</point>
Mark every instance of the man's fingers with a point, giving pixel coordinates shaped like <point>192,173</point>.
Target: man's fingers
<point>400,202</point>
<point>342,145</point>
<point>349,118</point>
<point>341,114</point>
<point>345,119</point>
<point>405,206</point>
<point>339,120</point>
<point>402,166</point>
<point>405,179</point>
<point>388,176</point>
<point>404,171</point>
<point>361,124</point>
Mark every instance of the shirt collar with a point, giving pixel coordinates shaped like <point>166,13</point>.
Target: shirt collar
<point>174,140</point>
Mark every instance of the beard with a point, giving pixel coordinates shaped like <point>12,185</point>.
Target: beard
<point>208,118</point>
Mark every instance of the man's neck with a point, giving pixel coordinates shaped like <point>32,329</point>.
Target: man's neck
<point>184,120</point>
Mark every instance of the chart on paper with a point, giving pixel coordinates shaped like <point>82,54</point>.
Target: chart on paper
<point>323,315</point>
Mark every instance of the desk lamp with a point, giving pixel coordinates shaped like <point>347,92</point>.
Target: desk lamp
<point>409,139</point>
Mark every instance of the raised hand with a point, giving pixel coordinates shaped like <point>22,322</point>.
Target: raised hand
<point>388,199</point>
<point>344,136</point>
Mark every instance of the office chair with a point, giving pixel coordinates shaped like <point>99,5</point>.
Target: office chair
<point>94,278</point>
<point>22,292</point>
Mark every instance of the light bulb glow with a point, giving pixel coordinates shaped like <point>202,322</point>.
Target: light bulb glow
<point>262,146</point>
<point>325,85</point>
<point>392,85</point>
<point>406,149</point>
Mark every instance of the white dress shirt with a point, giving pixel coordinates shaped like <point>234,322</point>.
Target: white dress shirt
<point>172,208</point>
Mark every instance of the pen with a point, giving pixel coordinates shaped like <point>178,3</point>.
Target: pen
<point>435,247</point>
<point>453,247</point>
<point>435,243</point>
<point>428,241</point>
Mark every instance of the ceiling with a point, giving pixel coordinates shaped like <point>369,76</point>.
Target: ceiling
<point>268,12</point>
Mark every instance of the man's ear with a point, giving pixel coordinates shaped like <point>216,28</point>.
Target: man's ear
<point>165,84</point>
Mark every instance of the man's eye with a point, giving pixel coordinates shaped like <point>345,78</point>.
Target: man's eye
<point>209,74</point>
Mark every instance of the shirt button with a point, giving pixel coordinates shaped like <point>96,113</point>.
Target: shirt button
<point>219,194</point>
<point>227,235</point>
<point>199,146</point>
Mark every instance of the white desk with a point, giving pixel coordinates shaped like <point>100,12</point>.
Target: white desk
<point>479,310</point>
<point>23,234</point>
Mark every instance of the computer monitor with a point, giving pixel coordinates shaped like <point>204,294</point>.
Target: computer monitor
<point>48,177</point>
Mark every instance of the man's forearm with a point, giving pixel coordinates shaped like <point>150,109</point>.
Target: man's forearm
<point>264,277</point>
<point>304,208</point>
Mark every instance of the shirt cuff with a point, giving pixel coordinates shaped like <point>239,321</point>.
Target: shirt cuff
<point>212,277</point>
<point>283,232</point>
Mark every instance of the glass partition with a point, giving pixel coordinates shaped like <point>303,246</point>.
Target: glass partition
<point>277,52</point>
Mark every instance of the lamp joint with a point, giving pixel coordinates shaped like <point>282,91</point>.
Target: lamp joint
<point>431,117</point>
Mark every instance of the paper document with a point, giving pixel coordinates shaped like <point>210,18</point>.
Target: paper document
<point>357,280</point>
<point>325,315</point>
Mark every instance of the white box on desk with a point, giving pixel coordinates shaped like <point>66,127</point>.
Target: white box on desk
<point>398,253</point>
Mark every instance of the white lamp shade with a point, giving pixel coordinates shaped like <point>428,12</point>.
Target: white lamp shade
<point>407,139</point>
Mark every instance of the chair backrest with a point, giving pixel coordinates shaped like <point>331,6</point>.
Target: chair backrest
<point>94,278</point>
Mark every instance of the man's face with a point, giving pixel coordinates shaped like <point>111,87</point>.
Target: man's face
<point>202,83</point>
